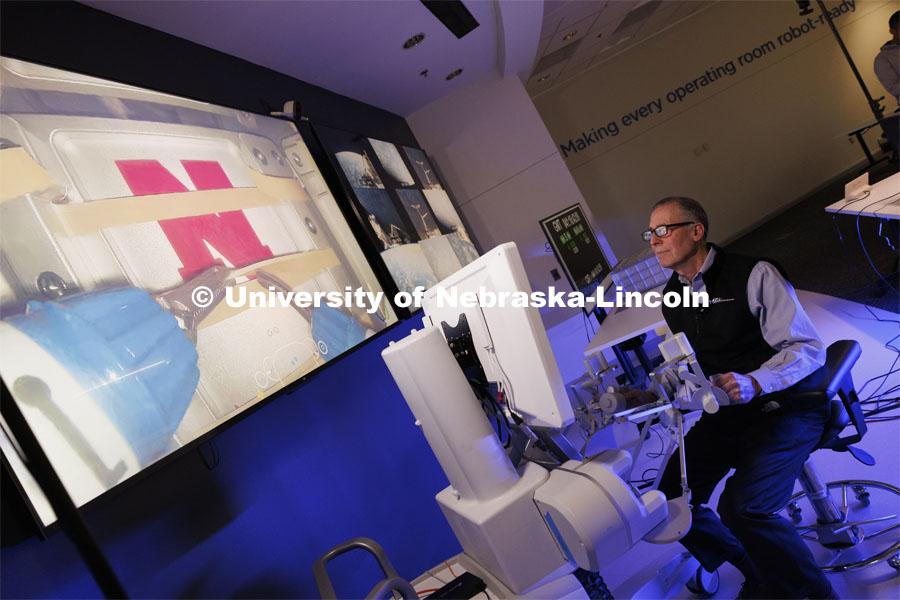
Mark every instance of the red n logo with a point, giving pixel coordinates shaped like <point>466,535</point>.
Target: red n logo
<point>229,233</point>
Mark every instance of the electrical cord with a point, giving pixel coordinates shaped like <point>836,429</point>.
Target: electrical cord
<point>647,470</point>
<point>894,404</point>
<point>492,352</point>
<point>492,410</point>
<point>543,463</point>
<point>847,252</point>
<point>662,445</point>
<point>449,568</point>
<point>884,376</point>
<point>841,237</point>
<point>874,396</point>
<point>869,258</point>
<point>502,423</point>
<point>878,399</point>
<point>585,321</point>
<point>865,197</point>
<point>854,201</point>
<point>645,481</point>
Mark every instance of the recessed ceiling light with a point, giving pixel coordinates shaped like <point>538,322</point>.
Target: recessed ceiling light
<point>413,41</point>
<point>454,74</point>
<point>570,35</point>
<point>543,78</point>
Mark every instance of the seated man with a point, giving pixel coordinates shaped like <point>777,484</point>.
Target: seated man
<point>755,342</point>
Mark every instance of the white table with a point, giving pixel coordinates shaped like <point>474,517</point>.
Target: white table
<point>623,324</point>
<point>883,201</point>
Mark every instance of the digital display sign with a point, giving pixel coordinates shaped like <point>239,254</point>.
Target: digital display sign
<point>576,247</point>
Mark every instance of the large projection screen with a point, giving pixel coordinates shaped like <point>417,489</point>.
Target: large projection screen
<point>128,219</point>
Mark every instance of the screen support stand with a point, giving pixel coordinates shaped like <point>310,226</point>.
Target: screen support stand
<point>69,519</point>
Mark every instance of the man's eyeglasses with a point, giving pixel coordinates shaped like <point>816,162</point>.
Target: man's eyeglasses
<point>663,230</point>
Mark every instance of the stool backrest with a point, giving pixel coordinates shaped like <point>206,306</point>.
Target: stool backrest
<point>834,379</point>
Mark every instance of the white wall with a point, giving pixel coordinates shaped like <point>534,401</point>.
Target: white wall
<point>503,170</point>
<point>773,129</point>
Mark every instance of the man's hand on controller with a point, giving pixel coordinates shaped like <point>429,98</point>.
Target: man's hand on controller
<point>740,388</point>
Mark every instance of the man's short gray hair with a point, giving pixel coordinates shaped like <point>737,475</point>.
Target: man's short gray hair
<point>691,207</point>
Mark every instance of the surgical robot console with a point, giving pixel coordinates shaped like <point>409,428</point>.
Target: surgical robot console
<point>532,509</point>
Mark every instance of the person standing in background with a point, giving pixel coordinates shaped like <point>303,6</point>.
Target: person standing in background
<point>887,69</point>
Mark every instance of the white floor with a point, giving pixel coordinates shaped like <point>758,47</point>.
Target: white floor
<point>835,319</point>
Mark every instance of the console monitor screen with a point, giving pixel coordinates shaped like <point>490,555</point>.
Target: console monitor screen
<point>508,335</point>
<point>159,263</point>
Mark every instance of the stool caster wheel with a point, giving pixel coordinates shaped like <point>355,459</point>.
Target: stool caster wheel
<point>703,583</point>
<point>861,493</point>
<point>894,561</point>
<point>795,512</point>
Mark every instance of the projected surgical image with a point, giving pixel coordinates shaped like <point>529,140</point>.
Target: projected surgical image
<point>410,219</point>
<point>156,257</point>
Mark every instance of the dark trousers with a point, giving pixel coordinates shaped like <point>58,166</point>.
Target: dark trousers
<point>767,452</point>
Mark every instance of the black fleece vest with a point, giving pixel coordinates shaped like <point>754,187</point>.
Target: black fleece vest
<point>725,336</point>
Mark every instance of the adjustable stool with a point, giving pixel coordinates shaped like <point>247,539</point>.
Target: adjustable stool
<point>852,523</point>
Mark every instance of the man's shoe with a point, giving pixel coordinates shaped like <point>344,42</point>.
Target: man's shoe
<point>751,589</point>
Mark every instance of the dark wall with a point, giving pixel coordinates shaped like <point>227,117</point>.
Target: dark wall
<point>337,458</point>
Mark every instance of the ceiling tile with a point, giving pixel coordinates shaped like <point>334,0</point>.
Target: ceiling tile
<point>534,86</point>
<point>607,52</point>
<point>582,10</point>
<point>576,66</point>
<point>660,18</point>
<point>653,24</point>
<point>619,25</point>
<point>556,57</point>
<point>638,15</point>
<point>635,19</point>
<point>580,27</point>
<point>610,18</point>
<point>683,10</point>
<point>554,11</point>
<point>542,47</point>
<point>549,28</point>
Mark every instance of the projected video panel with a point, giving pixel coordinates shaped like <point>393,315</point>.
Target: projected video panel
<point>402,205</point>
<point>159,260</point>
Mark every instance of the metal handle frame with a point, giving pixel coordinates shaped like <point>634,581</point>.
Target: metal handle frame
<point>384,589</point>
